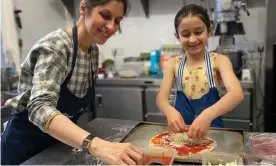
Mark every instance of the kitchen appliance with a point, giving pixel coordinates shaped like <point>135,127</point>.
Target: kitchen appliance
<point>227,24</point>
<point>234,53</point>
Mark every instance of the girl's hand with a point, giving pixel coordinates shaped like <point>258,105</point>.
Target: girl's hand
<point>199,127</point>
<point>175,120</point>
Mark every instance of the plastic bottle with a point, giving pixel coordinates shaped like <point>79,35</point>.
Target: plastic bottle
<point>158,64</point>
<point>153,62</point>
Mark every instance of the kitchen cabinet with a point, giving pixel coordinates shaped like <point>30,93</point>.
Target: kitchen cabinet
<point>243,110</point>
<point>239,118</point>
<point>135,99</point>
<point>245,125</point>
<point>119,102</point>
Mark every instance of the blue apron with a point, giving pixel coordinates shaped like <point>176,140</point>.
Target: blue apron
<point>190,109</point>
<point>22,139</point>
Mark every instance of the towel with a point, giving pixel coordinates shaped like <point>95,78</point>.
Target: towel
<point>10,35</point>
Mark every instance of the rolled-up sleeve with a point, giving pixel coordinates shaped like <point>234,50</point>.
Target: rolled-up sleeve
<point>49,73</point>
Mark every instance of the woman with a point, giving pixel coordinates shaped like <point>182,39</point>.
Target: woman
<point>199,74</point>
<point>57,83</point>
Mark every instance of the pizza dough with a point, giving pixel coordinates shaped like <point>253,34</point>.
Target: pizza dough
<point>185,147</point>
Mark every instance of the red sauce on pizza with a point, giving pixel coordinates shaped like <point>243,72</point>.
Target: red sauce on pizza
<point>150,160</point>
<point>185,149</point>
<point>157,140</point>
<point>163,134</point>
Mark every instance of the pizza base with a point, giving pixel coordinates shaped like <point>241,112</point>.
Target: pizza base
<point>194,157</point>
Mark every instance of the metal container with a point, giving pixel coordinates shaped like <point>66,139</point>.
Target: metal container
<point>215,158</point>
<point>234,54</point>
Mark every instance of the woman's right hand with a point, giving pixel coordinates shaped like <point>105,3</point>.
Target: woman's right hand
<point>116,153</point>
<point>175,120</point>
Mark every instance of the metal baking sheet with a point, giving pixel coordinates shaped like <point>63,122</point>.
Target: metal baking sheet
<point>228,140</point>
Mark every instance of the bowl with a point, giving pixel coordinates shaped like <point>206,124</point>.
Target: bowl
<point>217,158</point>
<point>158,156</point>
<point>264,145</point>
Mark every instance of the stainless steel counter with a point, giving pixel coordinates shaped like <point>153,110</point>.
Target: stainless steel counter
<point>149,81</point>
<point>60,154</point>
<point>109,129</point>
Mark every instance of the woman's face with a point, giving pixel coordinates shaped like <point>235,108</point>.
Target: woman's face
<point>193,35</point>
<point>102,21</point>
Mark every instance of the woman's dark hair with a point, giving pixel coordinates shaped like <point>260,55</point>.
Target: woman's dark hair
<point>193,10</point>
<point>93,3</point>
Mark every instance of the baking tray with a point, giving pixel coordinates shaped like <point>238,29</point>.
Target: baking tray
<point>228,140</point>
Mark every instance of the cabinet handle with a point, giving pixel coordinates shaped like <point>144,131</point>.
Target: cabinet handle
<point>99,100</point>
<point>148,82</point>
<point>154,114</point>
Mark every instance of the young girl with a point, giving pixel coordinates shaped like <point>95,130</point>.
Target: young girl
<point>198,74</point>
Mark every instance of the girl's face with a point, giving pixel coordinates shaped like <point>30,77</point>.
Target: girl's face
<point>193,35</point>
<point>102,21</point>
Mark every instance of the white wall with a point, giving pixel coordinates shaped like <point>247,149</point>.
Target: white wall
<point>140,34</point>
<point>40,17</point>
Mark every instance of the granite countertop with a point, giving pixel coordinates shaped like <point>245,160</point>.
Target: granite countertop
<point>111,130</point>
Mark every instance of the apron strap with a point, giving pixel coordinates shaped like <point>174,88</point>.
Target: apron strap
<point>180,73</point>
<point>209,69</point>
<point>75,53</point>
<point>208,66</point>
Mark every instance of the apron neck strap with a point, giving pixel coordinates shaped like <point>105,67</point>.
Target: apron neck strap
<point>209,69</point>
<point>208,66</point>
<point>75,53</point>
<point>180,73</point>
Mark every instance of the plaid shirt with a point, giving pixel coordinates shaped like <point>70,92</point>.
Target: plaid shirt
<point>43,72</point>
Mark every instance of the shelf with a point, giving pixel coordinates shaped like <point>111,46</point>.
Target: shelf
<point>145,5</point>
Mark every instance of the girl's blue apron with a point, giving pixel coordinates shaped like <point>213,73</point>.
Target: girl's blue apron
<point>22,140</point>
<point>190,109</point>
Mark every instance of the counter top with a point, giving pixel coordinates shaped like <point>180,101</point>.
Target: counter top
<point>60,154</point>
<point>108,129</point>
<point>152,80</point>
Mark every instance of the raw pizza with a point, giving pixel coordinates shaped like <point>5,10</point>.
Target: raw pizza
<point>182,143</point>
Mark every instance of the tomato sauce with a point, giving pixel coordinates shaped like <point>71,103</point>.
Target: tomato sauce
<point>185,150</point>
<point>163,134</point>
<point>155,160</point>
<point>157,140</point>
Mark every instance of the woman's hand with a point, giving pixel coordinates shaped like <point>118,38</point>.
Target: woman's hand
<point>175,120</point>
<point>116,153</point>
<point>199,127</point>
